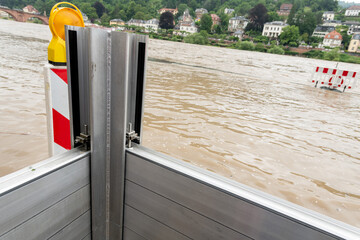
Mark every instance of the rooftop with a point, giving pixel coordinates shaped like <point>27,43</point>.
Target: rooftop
<point>238,18</point>
<point>324,28</point>
<point>355,7</point>
<point>286,6</point>
<point>333,35</point>
<point>356,37</point>
<point>279,23</point>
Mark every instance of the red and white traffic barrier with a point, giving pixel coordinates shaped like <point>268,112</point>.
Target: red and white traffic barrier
<point>57,108</point>
<point>335,78</point>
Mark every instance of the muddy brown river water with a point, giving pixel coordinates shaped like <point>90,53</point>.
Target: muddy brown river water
<point>249,116</point>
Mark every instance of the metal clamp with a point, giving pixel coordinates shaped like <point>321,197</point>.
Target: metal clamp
<point>84,139</point>
<point>131,135</point>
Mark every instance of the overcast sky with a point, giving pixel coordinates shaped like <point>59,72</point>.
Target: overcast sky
<point>355,1</point>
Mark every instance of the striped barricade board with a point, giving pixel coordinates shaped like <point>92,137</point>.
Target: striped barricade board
<point>57,108</point>
<point>336,79</point>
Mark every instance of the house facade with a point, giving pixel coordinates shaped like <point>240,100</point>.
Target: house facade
<point>237,23</point>
<point>187,23</point>
<point>328,16</point>
<point>353,27</point>
<point>285,9</point>
<point>30,9</point>
<point>117,21</point>
<point>149,25</point>
<point>273,29</point>
<point>352,11</point>
<point>172,10</point>
<point>199,12</point>
<point>215,19</point>
<point>321,31</point>
<point>332,39</point>
<point>332,23</point>
<point>228,11</point>
<point>354,45</point>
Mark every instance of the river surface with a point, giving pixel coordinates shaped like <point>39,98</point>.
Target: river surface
<point>249,116</point>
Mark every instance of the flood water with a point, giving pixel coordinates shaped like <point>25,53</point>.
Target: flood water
<point>251,117</point>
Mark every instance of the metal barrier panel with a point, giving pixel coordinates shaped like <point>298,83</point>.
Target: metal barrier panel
<point>168,199</point>
<point>49,200</point>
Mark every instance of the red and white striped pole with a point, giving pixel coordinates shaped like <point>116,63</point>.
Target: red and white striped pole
<point>57,108</point>
<point>56,84</point>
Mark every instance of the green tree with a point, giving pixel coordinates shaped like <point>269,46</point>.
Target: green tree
<point>345,37</point>
<point>306,22</point>
<point>166,20</point>
<point>206,23</point>
<point>289,34</point>
<point>100,9</point>
<point>258,17</point>
<point>224,22</point>
<point>89,11</point>
<point>105,19</point>
<point>181,9</point>
<point>273,16</point>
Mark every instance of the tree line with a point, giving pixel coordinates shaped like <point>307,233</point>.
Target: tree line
<point>147,9</point>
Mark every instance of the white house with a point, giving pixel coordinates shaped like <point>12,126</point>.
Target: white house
<point>353,11</point>
<point>332,39</point>
<point>332,23</point>
<point>228,11</point>
<point>151,25</point>
<point>328,16</point>
<point>237,23</point>
<point>273,29</point>
<point>187,23</point>
<point>354,27</point>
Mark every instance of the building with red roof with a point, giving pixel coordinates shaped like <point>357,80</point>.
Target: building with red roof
<point>172,10</point>
<point>215,19</point>
<point>332,39</point>
<point>285,9</point>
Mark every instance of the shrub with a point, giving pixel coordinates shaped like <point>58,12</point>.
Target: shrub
<point>196,38</point>
<point>245,46</point>
<point>293,44</point>
<point>333,55</point>
<point>276,50</point>
<point>260,47</point>
<point>291,53</point>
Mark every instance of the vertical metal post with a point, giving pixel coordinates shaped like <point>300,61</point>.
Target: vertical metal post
<point>118,111</point>
<point>107,72</point>
<point>128,58</point>
<point>99,77</point>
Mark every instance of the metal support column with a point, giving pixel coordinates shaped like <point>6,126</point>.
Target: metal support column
<point>107,76</point>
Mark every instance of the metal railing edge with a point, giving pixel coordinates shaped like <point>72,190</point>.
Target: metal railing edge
<point>285,208</point>
<point>33,172</point>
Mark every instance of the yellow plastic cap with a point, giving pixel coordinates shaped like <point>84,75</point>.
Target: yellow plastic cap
<point>59,17</point>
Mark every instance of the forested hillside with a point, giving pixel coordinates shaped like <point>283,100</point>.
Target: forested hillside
<point>146,9</point>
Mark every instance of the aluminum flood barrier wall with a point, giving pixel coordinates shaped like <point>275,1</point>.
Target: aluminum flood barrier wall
<point>49,200</point>
<point>137,193</point>
<point>166,198</point>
